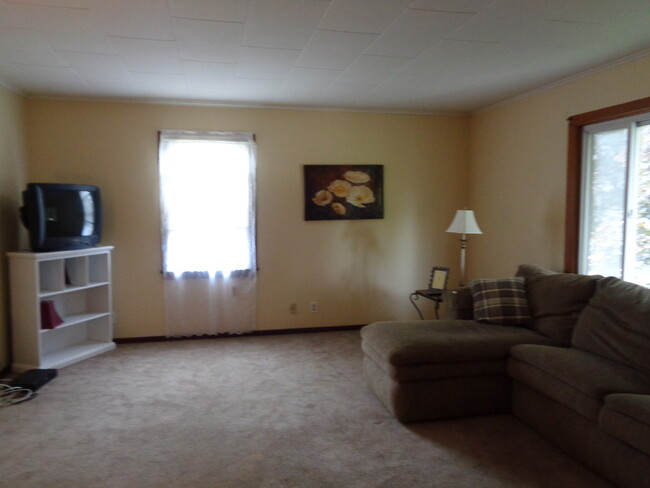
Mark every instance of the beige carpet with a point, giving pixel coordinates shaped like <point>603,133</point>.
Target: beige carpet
<point>274,411</point>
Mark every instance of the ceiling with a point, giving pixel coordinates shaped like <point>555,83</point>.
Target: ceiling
<point>385,55</point>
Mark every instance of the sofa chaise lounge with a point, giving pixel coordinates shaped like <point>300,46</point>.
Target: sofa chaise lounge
<point>574,365</point>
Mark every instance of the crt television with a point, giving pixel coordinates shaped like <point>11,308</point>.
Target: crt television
<point>59,216</point>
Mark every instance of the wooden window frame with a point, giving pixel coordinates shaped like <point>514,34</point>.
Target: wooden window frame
<point>574,170</point>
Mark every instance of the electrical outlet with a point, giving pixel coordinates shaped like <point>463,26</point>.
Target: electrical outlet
<point>313,307</point>
<point>293,309</point>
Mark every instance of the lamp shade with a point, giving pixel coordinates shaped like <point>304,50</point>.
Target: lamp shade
<point>464,223</point>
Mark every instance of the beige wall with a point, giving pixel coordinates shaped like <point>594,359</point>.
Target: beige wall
<point>11,182</point>
<point>358,271</point>
<point>518,168</point>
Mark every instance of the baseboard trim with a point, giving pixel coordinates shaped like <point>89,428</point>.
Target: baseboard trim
<point>337,328</point>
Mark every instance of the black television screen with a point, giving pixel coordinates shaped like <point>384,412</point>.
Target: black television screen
<point>62,216</point>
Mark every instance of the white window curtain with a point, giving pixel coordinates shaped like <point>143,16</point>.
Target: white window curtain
<point>207,199</point>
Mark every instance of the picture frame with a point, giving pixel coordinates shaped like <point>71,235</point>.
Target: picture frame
<point>343,192</point>
<point>439,279</point>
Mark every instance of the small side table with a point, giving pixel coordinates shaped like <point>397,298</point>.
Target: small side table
<point>435,296</point>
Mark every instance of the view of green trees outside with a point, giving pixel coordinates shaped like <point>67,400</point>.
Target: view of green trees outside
<point>607,217</point>
<point>643,208</point>
<point>606,214</point>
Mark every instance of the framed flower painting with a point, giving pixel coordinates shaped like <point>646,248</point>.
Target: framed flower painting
<point>344,192</point>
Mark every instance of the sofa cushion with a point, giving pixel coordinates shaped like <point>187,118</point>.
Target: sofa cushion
<point>556,299</point>
<point>405,373</point>
<point>615,324</point>
<point>577,379</point>
<point>443,341</point>
<point>500,301</point>
<point>438,398</point>
<point>627,417</point>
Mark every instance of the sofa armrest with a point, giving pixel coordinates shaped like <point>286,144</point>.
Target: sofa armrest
<point>459,304</point>
<point>627,417</point>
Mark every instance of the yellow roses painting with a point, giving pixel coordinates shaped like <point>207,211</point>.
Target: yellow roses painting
<point>336,192</point>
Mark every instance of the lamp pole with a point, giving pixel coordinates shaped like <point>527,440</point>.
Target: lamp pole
<point>463,247</point>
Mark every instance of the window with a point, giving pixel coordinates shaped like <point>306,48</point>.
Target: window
<point>207,194</point>
<point>608,204</point>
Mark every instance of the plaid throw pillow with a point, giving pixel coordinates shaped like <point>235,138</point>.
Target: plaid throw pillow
<point>500,301</point>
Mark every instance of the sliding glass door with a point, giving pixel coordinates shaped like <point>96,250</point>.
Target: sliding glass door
<point>615,213</point>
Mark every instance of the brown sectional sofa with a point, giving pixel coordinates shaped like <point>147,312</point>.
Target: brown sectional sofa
<point>578,371</point>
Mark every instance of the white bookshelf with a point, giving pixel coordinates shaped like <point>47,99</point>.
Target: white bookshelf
<point>79,284</point>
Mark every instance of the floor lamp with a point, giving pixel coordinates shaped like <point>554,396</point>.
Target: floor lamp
<point>464,223</point>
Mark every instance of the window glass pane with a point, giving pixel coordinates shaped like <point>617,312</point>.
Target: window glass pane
<point>207,203</point>
<point>605,217</point>
<point>642,224</point>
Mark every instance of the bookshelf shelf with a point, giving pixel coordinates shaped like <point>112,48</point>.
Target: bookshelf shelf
<point>78,285</point>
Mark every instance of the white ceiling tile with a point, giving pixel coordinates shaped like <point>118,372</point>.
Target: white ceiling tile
<point>467,6</point>
<point>159,79</point>
<point>500,21</point>
<point>462,54</point>
<point>593,11</point>
<point>286,24</point>
<point>255,90</point>
<point>250,84</point>
<point>415,31</point>
<point>57,3</point>
<point>79,30</point>
<point>205,90</point>
<point>552,33</point>
<point>460,96</point>
<point>347,90</point>
<point>63,19</point>
<point>208,71</point>
<point>161,84</point>
<point>22,16</point>
<point>130,90</point>
<point>43,79</point>
<point>417,86</point>
<point>492,30</point>
<point>62,28</point>
<point>256,62</point>
<point>369,16</point>
<point>611,38</point>
<point>141,19</point>
<point>25,46</point>
<point>223,10</point>
<point>209,93</point>
<point>122,88</point>
<point>462,58</point>
<point>306,80</point>
<point>347,94</point>
<point>209,41</point>
<point>543,70</point>
<point>32,16</point>
<point>334,50</point>
<point>147,55</point>
<point>98,67</point>
<point>82,39</point>
<point>89,42</point>
<point>372,70</point>
<point>202,77</point>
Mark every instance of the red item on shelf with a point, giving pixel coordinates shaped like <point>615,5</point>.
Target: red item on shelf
<point>49,316</point>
